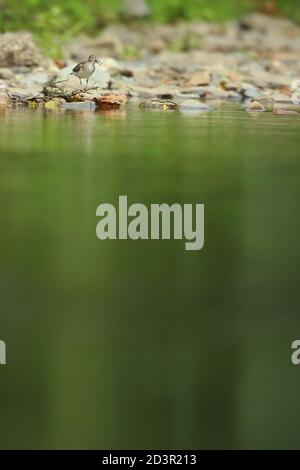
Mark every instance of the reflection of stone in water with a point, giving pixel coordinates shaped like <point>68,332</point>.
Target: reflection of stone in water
<point>113,114</point>
<point>85,126</point>
<point>78,106</point>
<point>4,97</point>
<point>3,111</point>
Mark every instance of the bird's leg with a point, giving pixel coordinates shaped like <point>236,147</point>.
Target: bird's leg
<point>80,83</point>
<point>87,82</point>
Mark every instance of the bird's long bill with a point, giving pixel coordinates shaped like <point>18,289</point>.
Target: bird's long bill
<point>99,62</point>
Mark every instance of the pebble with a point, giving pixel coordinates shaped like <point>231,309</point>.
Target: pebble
<point>233,96</point>
<point>200,79</point>
<point>250,91</point>
<point>285,112</point>
<point>281,98</point>
<point>230,86</point>
<point>4,98</point>
<point>6,73</point>
<point>255,107</point>
<point>158,104</point>
<point>213,92</point>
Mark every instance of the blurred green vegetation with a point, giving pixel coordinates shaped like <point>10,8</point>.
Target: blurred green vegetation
<point>56,21</point>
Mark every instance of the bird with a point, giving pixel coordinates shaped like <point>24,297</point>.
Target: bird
<point>86,69</point>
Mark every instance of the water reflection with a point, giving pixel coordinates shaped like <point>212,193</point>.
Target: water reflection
<point>140,344</point>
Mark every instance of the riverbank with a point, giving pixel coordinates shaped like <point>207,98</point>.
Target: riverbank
<point>254,59</point>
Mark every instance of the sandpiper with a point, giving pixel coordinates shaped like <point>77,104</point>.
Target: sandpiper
<point>86,69</point>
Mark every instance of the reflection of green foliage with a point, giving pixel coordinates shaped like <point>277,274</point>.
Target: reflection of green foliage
<point>57,21</point>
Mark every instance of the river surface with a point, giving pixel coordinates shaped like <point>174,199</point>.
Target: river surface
<point>142,344</point>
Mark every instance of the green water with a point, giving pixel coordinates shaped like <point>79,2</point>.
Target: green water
<point>141,344</point>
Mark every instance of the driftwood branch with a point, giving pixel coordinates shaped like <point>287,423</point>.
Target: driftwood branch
<point>51,92</point>
<point>48,93</point>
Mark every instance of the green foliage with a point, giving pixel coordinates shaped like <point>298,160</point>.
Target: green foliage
<point>56,21</point>
<point>290,8</point>
<point>217,10</point>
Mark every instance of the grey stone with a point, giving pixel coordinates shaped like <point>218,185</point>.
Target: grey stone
<point>19,49</point>
<point>281,98</point>
<point>250,91</point>
<point>163,105</point>
<point>6,73</point>
<point>255,107</point>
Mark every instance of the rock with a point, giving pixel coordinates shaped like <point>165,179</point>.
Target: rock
<point>193,93</point>
<point>55,103</point>
<point>194,105</point>
<point>60,63</point>
<point>110,101</point>
<point>281,98</point>
<point>187,96</point>
<point>6,73</point>
<point>158,104</point>
<point>255,107</point>
<point>19,95</point>
<point>4,97</point>
<point>147,92</point>
<point>135,8</point>
<point>250,91</point>
<point>217,93</point>
<point>157,45</point>
<point>19,49</point>
<point>285,112</point>
<point>80,97</point>
<point>230,86</point>
<point>200,79</point>
<point>110,64</point>
<point>165,96</point>
<point>233,96</point>
<point>35,81</point>
<point>126,73</point>
<point>265,100</point>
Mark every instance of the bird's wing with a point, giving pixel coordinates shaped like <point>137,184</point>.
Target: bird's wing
<point>77,67</point>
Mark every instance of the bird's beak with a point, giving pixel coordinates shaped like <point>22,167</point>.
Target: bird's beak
<point>99,62</point>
